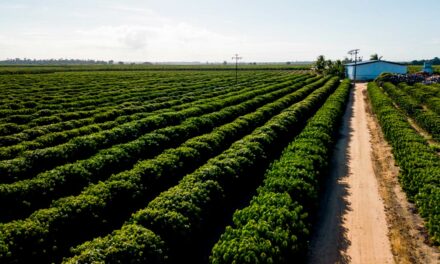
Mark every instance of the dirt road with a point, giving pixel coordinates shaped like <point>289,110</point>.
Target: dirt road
<point>352,225</point>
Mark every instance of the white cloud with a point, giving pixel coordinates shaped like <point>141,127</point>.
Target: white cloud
<point>182,41</point>
<point>138,34</point>
<point>163,38</point>
<point>135,39</point>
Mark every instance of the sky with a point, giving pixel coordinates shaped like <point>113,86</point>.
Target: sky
<point>208,30</point>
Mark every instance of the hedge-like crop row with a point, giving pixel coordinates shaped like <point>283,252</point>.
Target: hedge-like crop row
<point>108,113</point>
<point>40,118</point>
<point>90,89</point>
<point>57,133</point>
<point>22,197</point>
<point>32,119</point>
<point>97,90</point>
<point>177,217</point>
<point>47,233</point>
<point>93,126</point>
<point>32,162</point>
<point>419,164</point>
<point>425,118</point>
<point>274,228</point>
<point>154,91</point>
<point>101,112</point>
<point>424,94</point>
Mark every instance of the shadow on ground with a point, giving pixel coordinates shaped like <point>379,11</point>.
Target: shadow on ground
<point>329,241</point>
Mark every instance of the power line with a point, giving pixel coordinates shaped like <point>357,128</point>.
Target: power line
<point>236,58</point>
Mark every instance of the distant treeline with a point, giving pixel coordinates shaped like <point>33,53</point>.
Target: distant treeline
<point>25,61</point>
<point>33,69</point>
<point>435,61</point>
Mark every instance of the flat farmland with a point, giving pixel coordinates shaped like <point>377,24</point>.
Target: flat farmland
<point>150,165</point>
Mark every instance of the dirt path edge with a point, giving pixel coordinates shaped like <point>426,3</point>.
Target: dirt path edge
<point>408,236</point>
<point>351,225</point>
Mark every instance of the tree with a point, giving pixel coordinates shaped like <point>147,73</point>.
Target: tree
<point>320,64</point>
<point>323,66</point>
<point>434,61</point>
<point>375,57</point>
<point>347,60</point>
<point>337,68</point>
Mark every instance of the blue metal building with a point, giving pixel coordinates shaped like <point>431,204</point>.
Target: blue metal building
<point>369,70</point>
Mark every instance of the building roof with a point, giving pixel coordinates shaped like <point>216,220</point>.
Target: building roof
<point>373,61</point>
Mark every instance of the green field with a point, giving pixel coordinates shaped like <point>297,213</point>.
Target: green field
<point>150,165</point>
<point>20,69</point>
<point>417,154</point>
<point>417,68</point>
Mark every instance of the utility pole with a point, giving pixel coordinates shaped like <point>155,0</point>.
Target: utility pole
<point>355,52</point>
<point>236,58</point>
